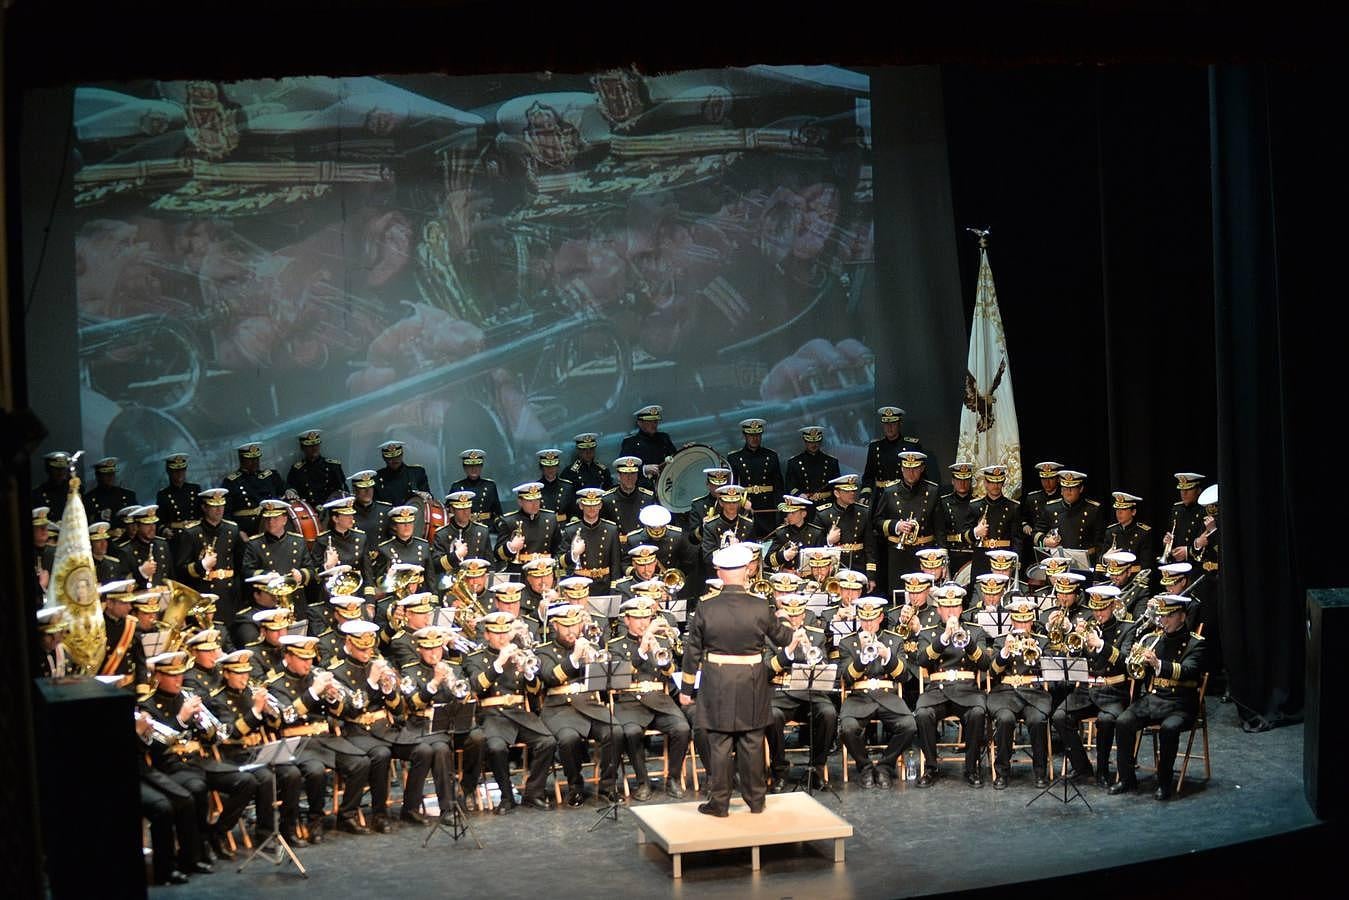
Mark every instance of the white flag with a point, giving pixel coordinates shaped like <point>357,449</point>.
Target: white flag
<point>74,585</point>
<point>988,430</point>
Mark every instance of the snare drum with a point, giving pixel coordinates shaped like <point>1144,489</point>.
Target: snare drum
<point>682,480</point>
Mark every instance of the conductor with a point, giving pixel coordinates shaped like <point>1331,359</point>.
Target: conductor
<point>726,642</point>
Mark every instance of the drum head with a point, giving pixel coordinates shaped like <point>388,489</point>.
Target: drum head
<point>682,480</point>
<point>963,574</point>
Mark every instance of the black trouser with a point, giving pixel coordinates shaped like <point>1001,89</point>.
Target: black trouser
<point>571,750</point>
<point>1068,726</point>
<point>540,746</point>
<point>264,798</point>
<point>277,781</point>
<point>434,754</point>
<point>169,806</point>
<point>1133,720</point>
<point>699,735</point>
<point>901,729</point>
<point>748,749</point>
<point>821,726</point>
<point>355,772</point>
<point>379,755</point>
<point>1004,726</point>
<point>972,717</point>
<point>237,788</point>
<point>677,734</point>
<point>313,775</point>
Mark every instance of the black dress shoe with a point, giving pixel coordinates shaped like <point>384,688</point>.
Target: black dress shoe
<point>1041,780</point>
<point>604,798</point>
<point>924,780</point>
<point>175,877</point>
<point>999,782</point>
<point>294,840</point>
<point>642,792</point>
<point>883,779</point>
<point>708,809</point>
<point>412,816</point>
<point>576,797</point>
<point>351,825</point>
<point>539,803</point>
<point>201,868</point>
<point>316,832</point>
<point>1123,787</point>
<point>382,823</point>
<point>1163,791</point>
<point>974,779</point>
<point>778,785</point>
<point>503,808</point>
<point>207,854</point>
<point>815,777</point>
<point>1103,780</point>
<point>673,789</point>
<point>219,847</point>
<point>756,810</point>
<point>868,778</point>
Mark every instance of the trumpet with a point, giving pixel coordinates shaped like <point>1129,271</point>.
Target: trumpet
<point>458,687</point>
<point>662,654</point>
<point>203,719</point>
<point>1169,541</point>
<point>161,733</point>
<point>1135,663</point>
<point>271,706</point>
<point>960,638</point>
<point>868,648</point>
<point>906,621</point>
<point>1076,640</point>
<point>1025,647</point>
<point>1057,631</point>
<point>526,663</point>
<point>814,655</point>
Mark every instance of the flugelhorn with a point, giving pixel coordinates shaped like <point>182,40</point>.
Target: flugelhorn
<point>909,538</point>
<point>1134,663</point>
<point>673,579</point>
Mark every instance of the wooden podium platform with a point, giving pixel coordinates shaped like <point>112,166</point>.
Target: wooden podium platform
<point>678,828</point>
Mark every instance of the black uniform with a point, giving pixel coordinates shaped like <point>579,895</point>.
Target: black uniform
<point>542,537</point>
<point>559,495</point>
<point>574,716</point>
<point>584,474</point>
<point>367,718</point>
<point>873,694</point>
<point>1004,522</point>
<point>1169,697</point>
<point>395,486</point>
<point>883,464</point>
<point>1016,692</point>
<point>717,529</point>
<point>1032,504</point>
<point>697,515</point>
<point>734,699</point>
<point>318,480</point>
<point>622,508</point>
<point>269,553</point>
<point>474,534</point>
<point>52,494</point>
<point>797,536</point>
<point>760,472</point>
<point>1106,701</point>
<point>247,490</point>
<point>808,475</point>
<point>959,696</point>
<point>506,719</point>
<point>651,449</point>
<point>672,549</point>
<point>374,521</point>
<point>897,502</point>
<point>601,561</point>
<point>953,518</point>
<point>1079,525</point>
<point>108,567</point>
<point>101,501</point>
<point>353,549</point>
<point>1186,522</point>
<point>177,505</point>
<point>431,752</point>
<point>486,501</point>
<point>822,724</point>
<point>648,704</point>
<point>225,579</point>
<point>1136,538</point>
<point>139,550</point>
<point>856,541</point>
<point>235,709</point>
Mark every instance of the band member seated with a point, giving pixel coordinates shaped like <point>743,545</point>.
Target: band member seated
<point>540,591</point>
<point>205,677</point>
<point>851,584</point>
<point>952,656</point>
<point>871,666</point>
<point>371,700</point>
<point>185,759</point>
<point>345,608</point>
<point>503,675</point>
<point>245,630</point>
<point>1017,693</point>
<point>819,565</point>
<point>307,697</point>
<point>250,712</point>
<point>808,646</point>
<point>171,812</point>
<point>430,682</point>
<point>729,525</point>
<point>646,703</point>
<point>416,614</point>
<point>1058,620</point>
<point>992,588</point>
<point>269,651</point>
<point>1107,695</point>
<point>645,565</point>
<point>571,712</point>
<point>1167,665</point>
<point>787,540</point>
<point>1122,571</point>
<point>935,561</point>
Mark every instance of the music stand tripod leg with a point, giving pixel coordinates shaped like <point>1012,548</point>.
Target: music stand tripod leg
<point>610,810</point>
<point>459,824</point>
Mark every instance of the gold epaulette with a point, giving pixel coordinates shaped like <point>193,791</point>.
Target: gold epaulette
<point>1196,635</point>
<point>273,676</point>
<point>217,691</point>
<point>264,473</point>
<point>1144,527</point>
<point>297,465</point>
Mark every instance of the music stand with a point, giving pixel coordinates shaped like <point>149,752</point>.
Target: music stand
<point>444,718</point>
<point>280,752</point>
<point>996,622</point>
<point>809,679</point>
<point>1062,670</point>
<point>605,676</point>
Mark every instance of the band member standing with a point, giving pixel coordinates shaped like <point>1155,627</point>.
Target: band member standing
<point>503,675</point>
<point>672,547</point>
<point>846,523</point>
<point>1126,532</point>
<point>343,544</point>
<point>313,477</point>
<point>815,708</point>
<point>1186,518</point>
<point>486,499</point>
<point>810,473</point>
<point>1072,520</point>
<point>993,521</point>
<point>106,496</point>
<point>178,501</point>
<point>277,549</point>
<point>758,470</point>
<point>585,471</point>
<point>725,648</point>
<point>51,625</point>
<point>249,485</point>
<point>904,516</point>
<point>107,567</point>
<point>120,655</point>
<point>786,542</point>
<point>559,494</point>
<point>398,481</point>
<point>953,661</point>
<point>705,507</point>
<point>460,538</point>
<point>210,553</point>
<point>872,668</point>
<point>953,515</point>
<point>52,492</point>
<point>592,543</point>
<point>1017,693</point>
<point>623,503</point>
<point>148,553</point>
<point>883,454</point>
<point>648,443</point>
<point>1173,661</point>
<point>372,516</point>
<point>529,531</point>
<point>730,525</point>
<point>1033,502</point>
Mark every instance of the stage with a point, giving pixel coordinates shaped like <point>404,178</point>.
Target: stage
<point>905,842</point>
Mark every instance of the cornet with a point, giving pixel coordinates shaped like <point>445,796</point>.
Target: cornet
<point>203,719</point>
<point>271,706</point>
<point>1025,647</point>
<point>960,638</point>
<point>662,654</point>
<point>161,733</point>
<point>868,648</point>
<point>1135,664</point>
<point>814,655</point>
<point>909,538</point>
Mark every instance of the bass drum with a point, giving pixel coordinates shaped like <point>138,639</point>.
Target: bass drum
<point>431,516</point>
<point>682,480</point>
<point>303,520</point>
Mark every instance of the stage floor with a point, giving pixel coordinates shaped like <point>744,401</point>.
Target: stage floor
<point>906,841</point>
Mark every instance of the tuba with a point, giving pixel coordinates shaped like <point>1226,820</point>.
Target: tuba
<point>468,608</point>
<point>183,602</point>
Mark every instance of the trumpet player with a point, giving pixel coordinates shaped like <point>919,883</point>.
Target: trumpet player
<point>729,525</point>
<point>427,682</point>
<point>851,583</point>
<point>416,614</point>
<point>403,548</point>
<point>643,565</point>
<point>249,711</point>
<point>787,540</point>
<point>371,700</point>
<point>992,588</point>
<point>204,678</point>
<point>461,538</point>
<point>873,663</point>
<point>646,703</point>
<point>503,679</point>
<point>592,543</point>
<point>306,697</point>
<point>1187,519</point>
<point>268,649</point>
<point>1107,695</point>
<point>345,608</point>
<point>1032,502</point>
<point>953,656</point>
<point>1016,692</point>
<point>809,645</point>
<point>529,531</point>
<point>572,713</point>
<point>847,526</point>
<point>994,522</point>
<point>186,760</point>
<point>1122,571</point>
<point>904,515</point>
<point>1172,661</point>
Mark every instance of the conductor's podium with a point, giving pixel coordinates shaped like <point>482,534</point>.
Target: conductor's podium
<point>678,828</point>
